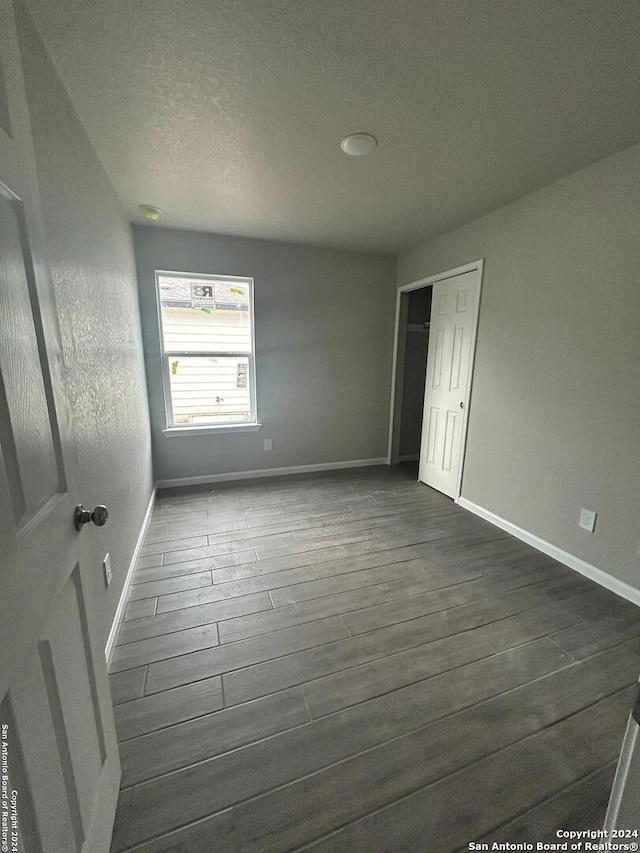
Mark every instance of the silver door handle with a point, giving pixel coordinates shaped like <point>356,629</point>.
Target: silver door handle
<point>82,516</point>
<point>462,405</point>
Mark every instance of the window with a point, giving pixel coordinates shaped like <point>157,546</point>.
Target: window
<point>206,334</point>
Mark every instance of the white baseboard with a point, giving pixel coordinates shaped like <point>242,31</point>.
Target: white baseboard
<point>592,572</point>
<point>122,603</point>
<point>268,472</point>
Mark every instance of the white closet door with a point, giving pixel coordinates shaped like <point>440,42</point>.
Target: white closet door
<point>453,318</point>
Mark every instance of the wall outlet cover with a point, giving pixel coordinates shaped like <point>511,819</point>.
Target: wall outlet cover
<point>106,568</point>
<point>268,444</point>
<point>588,519</point>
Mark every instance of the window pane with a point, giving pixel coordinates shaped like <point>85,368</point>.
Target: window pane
<point>205,315</point>
<point>207,390</point>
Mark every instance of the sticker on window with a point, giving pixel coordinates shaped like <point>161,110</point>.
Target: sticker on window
<point>219,296</point>
<point>205,295</point>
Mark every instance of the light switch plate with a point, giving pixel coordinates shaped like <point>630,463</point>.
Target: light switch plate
<point>106,567</point>
<point>588,519</point>
<point>268,444</point>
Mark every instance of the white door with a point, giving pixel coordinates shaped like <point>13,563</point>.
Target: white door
<point>449,361</point>
<point>57,741</point>
<point>623,813</point>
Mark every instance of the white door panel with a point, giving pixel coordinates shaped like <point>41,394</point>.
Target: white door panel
<point>624,805</point>
<point>55,710</point>
<point>451,337</point>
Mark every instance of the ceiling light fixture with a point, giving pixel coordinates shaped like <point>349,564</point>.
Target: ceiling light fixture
<point>358,144</point>
<point>150,212</point>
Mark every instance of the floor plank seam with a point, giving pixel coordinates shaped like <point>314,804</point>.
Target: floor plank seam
<point>442,610</point>
<point>562,649</point>
<point>346,627</point>
<point>306,704</point>
<point>407,795</point>
<point>464,709</point>
<point>176,771</point>
<point>373,660</point>
<point>542,802</point>
<point>362,634</point>
<point>613,646</point>
<point>144,681</point>
<point>351,628</point>
<point>232,643</point>
<point>224,701</point>
<point>437,675</point>
<point>365,814</point>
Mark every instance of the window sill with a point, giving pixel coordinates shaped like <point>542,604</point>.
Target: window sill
<point>209,429</point>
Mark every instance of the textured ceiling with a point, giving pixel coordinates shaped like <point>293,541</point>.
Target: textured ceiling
<point>228,114</point>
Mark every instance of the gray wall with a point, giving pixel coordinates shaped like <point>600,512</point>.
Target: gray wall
<point>324,328</point>
<point>555,416</point>
<point>92,264</point>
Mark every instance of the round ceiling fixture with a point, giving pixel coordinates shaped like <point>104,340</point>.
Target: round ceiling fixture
<point>150,212</point>
<point>358,144</point>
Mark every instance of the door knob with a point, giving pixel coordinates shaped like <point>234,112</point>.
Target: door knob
<point>462,405</point>
<point>82,516</point>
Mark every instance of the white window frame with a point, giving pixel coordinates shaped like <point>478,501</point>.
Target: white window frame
<point>172,429</point>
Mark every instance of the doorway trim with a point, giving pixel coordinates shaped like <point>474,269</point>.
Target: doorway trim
<point>397,365</point>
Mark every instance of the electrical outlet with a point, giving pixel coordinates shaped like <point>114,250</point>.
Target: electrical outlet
<point>268,444</point>
<point>588,519</point>
<point>106,567</point>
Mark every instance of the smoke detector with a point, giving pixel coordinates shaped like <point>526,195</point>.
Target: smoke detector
<point>150,212</point>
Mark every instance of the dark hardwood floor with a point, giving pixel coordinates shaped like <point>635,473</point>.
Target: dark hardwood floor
<point>351,662</point>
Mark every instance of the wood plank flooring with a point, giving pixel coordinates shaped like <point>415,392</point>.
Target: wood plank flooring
<point>350,662</point>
